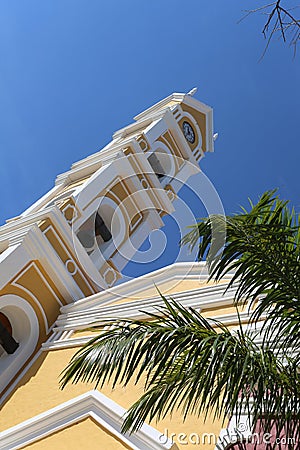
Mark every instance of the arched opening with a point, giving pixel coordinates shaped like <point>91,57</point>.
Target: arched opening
<point>156,165</point>
<point>7,342</point>
<point>94,232</point>
<point>162,163</point>
<point>21,323</point>
<point>101,236</point>
<point>5,322</point>
<point>101,230</point>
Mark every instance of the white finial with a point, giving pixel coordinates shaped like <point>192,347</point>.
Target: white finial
<point>192,91</point>
<point>215,136</point>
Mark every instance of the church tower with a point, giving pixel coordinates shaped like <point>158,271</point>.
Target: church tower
<point>76,239</point>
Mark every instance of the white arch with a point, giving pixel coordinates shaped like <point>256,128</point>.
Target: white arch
<point>25,330</point>
<point>113,216</point>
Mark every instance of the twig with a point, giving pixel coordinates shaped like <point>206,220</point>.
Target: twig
<point>280,19</point>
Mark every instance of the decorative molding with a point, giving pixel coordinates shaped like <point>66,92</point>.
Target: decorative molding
<point>63,339</point>
<point>162,104</point>
<point>32,296</point>
<point>12,229</point>
<point>81,278</point>
<point>202,298</point>
<point>33,245</point>
<point>39,248</point>
<point>104,411</point>
<point>173,274</point>
<point>70,210</point>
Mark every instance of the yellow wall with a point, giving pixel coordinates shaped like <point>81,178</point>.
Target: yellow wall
<point>87,435</point>
<point>39,391</point>
<point>167,288</point>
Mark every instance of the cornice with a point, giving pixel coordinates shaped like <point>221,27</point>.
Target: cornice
<point>176,97</point>
<point>62,338</point>
<point>177,272</point>
<point>17,225</point>
<point>200,298</point>
<point>104,411</point>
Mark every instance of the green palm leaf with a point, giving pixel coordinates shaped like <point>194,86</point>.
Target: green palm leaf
<point>199,366</point>
<point>262,248</point>
<point>191,364</point>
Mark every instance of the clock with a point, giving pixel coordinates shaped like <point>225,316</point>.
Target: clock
<point>188,132</point>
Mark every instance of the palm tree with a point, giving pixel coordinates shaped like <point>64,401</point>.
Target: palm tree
<point>200,365</point>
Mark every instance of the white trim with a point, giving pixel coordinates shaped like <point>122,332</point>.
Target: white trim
<point>10,229</point>
<point>34,245</point>
<point>176,97</point>
<point>25,328</point>
<point>93,404</point>
<point>133,128</point>
<point>92,164</point>
<point>201,298</point>
<point>38,247</point>
<point>63,339</point>
<point>31,295</point>
<point>174,273</point>
<point>70,255</point>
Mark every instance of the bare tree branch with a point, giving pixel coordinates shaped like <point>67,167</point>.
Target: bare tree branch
<point>279,20</point>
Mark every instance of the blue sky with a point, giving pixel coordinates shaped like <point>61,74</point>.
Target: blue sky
<point>72,72</point>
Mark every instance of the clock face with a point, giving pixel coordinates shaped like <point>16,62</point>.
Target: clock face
<point>188,132</point>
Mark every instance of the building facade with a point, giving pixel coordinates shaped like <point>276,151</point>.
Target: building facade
<point>61,268</point>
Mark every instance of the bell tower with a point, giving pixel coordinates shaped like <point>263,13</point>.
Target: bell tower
<point>76,239</point>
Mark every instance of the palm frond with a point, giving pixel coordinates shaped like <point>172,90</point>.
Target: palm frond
<point>191,364</point>
<point>199,366</point>
<point>262,248</point>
